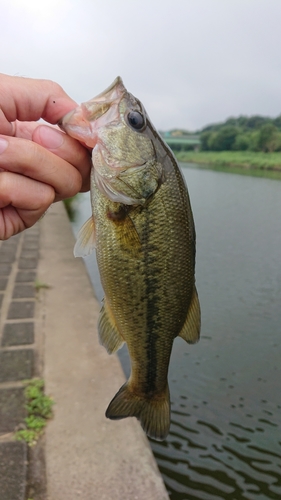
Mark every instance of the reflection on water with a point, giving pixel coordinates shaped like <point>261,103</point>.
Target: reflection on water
<point>225,439</point>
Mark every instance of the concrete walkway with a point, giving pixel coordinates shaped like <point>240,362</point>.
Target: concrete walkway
<point>83,455</point>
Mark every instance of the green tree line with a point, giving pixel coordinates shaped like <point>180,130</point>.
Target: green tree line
<point>254,133</point>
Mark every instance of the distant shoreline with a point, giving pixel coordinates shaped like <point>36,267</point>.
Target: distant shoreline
<point>242,159</point>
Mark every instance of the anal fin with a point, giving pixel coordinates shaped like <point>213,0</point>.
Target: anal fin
<point>190,331</point>
<point>109,335</point>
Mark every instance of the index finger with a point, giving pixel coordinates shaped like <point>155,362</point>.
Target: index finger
<point>28,99</point>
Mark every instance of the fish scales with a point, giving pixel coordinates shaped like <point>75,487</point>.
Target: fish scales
<point>146,258</point>
<point>145,287</point>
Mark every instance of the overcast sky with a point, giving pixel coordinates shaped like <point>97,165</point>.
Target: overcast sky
<point>191,62</point>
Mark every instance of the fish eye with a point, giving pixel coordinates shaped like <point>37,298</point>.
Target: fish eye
<point>136,120</point>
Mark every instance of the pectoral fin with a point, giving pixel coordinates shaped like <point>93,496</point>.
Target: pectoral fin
<point>109,335</point>
<point>129,236</point>
<point>86,239</point>
<point>125,229</point>
<point>191,329</point>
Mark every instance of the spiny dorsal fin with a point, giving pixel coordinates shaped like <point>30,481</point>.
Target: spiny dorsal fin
<point>109,335</point>
<point>86,239</point>
<point>190,331</point>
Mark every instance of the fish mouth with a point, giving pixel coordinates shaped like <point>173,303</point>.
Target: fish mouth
<point>83,122</point>
<point>112,93</point>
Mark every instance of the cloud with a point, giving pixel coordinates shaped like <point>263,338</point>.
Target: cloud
<point>191,62</point>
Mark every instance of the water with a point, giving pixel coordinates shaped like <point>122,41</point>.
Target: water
<point>225,438</point>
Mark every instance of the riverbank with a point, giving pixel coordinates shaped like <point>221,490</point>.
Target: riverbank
<point>242,159</point>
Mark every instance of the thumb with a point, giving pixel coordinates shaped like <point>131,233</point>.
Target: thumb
<point>48,137</point>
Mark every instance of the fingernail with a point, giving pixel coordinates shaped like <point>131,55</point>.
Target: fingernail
<point>50,138</point>
<point>3,145</point>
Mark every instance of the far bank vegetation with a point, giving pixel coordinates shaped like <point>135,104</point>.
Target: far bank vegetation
<point>255,133</point>
<point>251,142</point>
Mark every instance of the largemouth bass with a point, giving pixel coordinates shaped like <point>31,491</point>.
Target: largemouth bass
<point>143,231</point>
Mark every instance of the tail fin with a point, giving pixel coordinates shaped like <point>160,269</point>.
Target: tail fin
<point>153,414</point>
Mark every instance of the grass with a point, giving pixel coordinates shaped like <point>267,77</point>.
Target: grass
<point>243,159</point>
<point>38,285</point>
<point>39,411</point>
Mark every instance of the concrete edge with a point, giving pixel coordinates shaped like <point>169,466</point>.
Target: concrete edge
<point>87,456</point>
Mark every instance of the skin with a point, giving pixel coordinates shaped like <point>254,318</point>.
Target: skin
<point>39,164</point>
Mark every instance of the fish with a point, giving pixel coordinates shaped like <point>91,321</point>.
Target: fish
<point>142,229</point>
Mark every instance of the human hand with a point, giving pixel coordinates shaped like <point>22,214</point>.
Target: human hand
<point>39,164</point>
